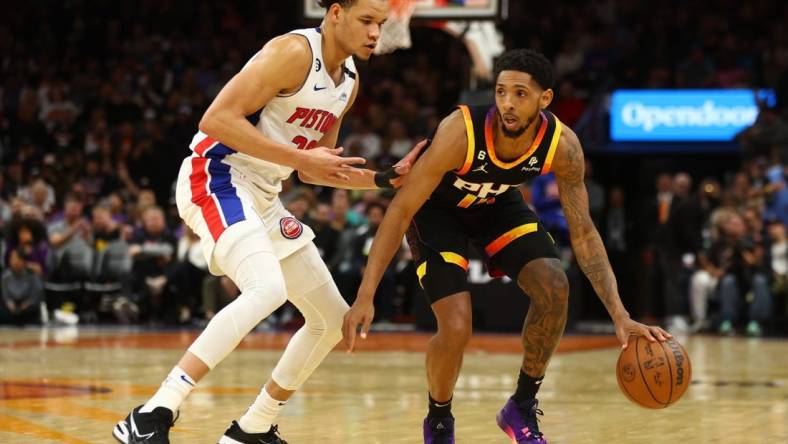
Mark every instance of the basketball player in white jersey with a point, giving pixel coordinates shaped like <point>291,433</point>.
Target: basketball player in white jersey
<point>300,84</point>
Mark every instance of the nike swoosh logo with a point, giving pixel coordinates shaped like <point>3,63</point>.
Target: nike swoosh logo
<point>317,88</point>
<point>282,403</point>
<point>184,379</point>
<point>135,433</point>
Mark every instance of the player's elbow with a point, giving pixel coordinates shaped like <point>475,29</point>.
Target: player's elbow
<point>211,122</point>
<point>208,122</point>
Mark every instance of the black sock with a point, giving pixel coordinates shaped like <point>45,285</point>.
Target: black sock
<point>526,387</point>
<point>439,409</point>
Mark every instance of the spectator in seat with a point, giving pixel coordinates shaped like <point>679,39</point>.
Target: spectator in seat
<point>69,239</point>
<point>739,263</point>
<point>40,195</point>
<point>107,234</point>
<point>146,198</point>
<point>186,276</point>
<point>27,237</point>
<point>152,249</point>
<point>22,292</point>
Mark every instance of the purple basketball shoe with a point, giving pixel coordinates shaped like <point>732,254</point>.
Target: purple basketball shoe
<point>439,430</point>
<point>520,422</point>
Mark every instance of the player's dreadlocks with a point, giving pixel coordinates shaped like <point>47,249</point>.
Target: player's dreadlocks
<point>527,60</point>
<point>343,3</point>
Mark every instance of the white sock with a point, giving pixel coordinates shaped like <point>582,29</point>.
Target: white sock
<point>261,414</point>
<point>175,388</point>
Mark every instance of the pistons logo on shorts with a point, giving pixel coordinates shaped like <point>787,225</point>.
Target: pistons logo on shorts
<point>290,227</point>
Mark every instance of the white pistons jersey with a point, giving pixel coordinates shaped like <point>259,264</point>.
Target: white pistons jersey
<point>218,187</point>
<point>299,119</point>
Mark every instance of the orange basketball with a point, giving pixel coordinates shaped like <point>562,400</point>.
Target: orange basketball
<point>653,374</point>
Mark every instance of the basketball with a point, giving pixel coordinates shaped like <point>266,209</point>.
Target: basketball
<point>653,374</point>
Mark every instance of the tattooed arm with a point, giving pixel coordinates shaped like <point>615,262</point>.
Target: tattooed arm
<point>569,166</point>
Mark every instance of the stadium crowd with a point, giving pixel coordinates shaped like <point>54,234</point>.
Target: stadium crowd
<point>99,100</point>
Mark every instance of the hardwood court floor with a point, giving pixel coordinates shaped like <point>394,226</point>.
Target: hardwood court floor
<point>68,386</point>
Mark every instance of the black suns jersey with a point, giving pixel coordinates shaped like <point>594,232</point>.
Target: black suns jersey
<point>484,177</point>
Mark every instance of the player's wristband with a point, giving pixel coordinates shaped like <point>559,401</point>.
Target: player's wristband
<point>383,178</point>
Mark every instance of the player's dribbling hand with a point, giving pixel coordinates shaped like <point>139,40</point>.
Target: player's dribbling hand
<point>361,313</point>
<point>323,163</point>
<point>626,327</point>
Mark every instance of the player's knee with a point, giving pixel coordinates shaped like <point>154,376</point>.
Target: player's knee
<point>545,282</point>
<point>329,326</point>
<point>264,290</point>
<point>260,279</point>
<point>456,331</point>
<point>324,310</point>
<point>333,334</point>
<point>335,319</point>
<point>560,284</point>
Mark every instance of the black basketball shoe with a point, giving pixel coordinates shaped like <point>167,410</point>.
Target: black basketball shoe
<point>234,435</point>
<point>145,428</point>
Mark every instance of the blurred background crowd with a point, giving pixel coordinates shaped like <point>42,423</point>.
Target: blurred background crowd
<point>99,100</point>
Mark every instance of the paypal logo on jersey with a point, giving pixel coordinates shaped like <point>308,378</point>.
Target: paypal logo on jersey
<point>681,115</point>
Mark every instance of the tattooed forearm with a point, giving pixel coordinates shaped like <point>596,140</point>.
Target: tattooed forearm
<point>586,242</point>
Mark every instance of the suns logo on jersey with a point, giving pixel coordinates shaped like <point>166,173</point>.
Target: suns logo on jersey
<point>313,118</point>
<point>481,189</point>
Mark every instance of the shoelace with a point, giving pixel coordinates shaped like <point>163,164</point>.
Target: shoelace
<point>163,426</point>
<point>275,432</point>
<point>531,420</point>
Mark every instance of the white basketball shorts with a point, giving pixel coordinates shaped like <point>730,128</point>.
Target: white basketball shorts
<point>213,196</point>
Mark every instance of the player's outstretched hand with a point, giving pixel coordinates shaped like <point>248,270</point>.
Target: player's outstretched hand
<point>627,326</point>
<point>403,166</point>
<point>361,313</point>
<point>323,163</point>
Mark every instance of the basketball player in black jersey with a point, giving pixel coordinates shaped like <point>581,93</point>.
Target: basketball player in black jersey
<point>463,191</point>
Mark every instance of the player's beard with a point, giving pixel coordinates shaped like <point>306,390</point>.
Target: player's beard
<point>519,131</point>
